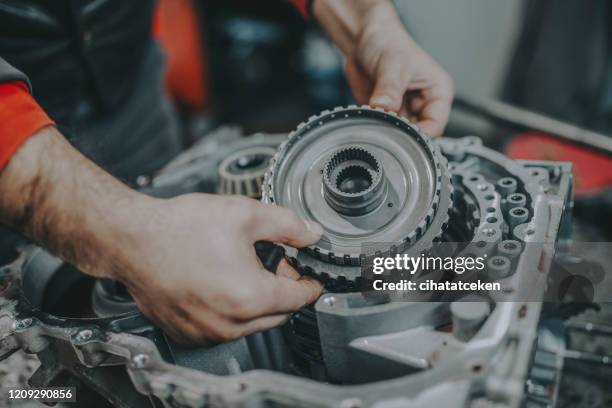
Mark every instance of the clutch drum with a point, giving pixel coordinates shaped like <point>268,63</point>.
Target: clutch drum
<point>370,178</point>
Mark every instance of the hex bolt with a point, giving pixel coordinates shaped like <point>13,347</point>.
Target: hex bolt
<point>516,216</point>
<point>506,185</point>
<point>140,361</point>
<point>498,267</point>
<point>468,316</point>
<point>509,248</point>
<point>515,200</point>
<point>84,335</point>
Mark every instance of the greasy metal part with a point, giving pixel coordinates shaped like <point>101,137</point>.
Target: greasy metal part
<point>506,113</point>
<point>404,203</point>
<point>468,316</point>
<point>515,200</point>
<point>509,248</point>
<point>242,172</point>
<point>200,168</point>
<point>371,352</point>
<point>388,339</point>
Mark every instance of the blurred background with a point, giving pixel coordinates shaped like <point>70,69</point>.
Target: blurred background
<point>261,66</point>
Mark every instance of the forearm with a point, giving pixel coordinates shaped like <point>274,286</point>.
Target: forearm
<point>345,20</point>
<point>63,201</point>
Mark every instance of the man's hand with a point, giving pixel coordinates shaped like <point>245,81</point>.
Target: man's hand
<point>189,262</point>
<point>194,269</point>
<point>384,66</point>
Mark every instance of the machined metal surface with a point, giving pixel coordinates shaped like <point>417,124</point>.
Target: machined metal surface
<point>404,192</point>
<point>349,349</point>
<point>242,172</point>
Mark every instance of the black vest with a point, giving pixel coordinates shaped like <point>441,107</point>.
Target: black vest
<point>76,49</point>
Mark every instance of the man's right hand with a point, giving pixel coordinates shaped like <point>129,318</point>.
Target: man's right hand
<point>189,262</point>
<point>193,268</point>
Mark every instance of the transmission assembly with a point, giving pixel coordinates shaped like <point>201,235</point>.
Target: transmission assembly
<point>379,187</point>
<point>367,176</point>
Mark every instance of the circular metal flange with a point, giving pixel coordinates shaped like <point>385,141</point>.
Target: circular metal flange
<point>369,177</point>
<point>242,172</point>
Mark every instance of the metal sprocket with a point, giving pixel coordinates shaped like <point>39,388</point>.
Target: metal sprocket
<point>412,215</point>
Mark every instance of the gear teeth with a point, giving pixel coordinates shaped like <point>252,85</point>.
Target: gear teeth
<point>413,237</point>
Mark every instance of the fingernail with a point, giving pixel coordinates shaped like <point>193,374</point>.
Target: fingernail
<point>314,227</point>
<point>383,101</point>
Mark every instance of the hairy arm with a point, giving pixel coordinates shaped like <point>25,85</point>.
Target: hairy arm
<point>62,201</point>
<point>189,262</point>
<point>384,65</point>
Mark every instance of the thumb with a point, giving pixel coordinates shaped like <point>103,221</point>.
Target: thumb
<point>278,224</point>
<point>389,86</point>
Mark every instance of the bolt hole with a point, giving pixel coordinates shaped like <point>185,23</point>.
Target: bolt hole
<point>489,197</point>
<point>491,209</point>
<point>389,205</point>
<point>492,220</point>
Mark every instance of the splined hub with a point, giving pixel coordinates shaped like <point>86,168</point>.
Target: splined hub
<point>353,181</point>
<point>370,178</point>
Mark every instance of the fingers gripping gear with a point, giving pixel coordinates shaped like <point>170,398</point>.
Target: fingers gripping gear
<point>368,177</point>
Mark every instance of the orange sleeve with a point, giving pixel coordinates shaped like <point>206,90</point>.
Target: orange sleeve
<point>303,6</point>
<point>20,117</point>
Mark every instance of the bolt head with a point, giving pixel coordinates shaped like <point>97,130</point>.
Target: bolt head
<point>84,335</point>
<point>140,361</point>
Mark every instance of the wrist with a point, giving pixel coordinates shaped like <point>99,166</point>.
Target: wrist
<point>351,23</point>
<point>114,228</point>
<point>64,202</point>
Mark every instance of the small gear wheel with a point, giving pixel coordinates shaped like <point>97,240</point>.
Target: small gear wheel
<point>372,179</point>
<point>242,172</point>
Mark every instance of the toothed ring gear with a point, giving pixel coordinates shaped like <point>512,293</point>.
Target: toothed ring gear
<point>372,179</point>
